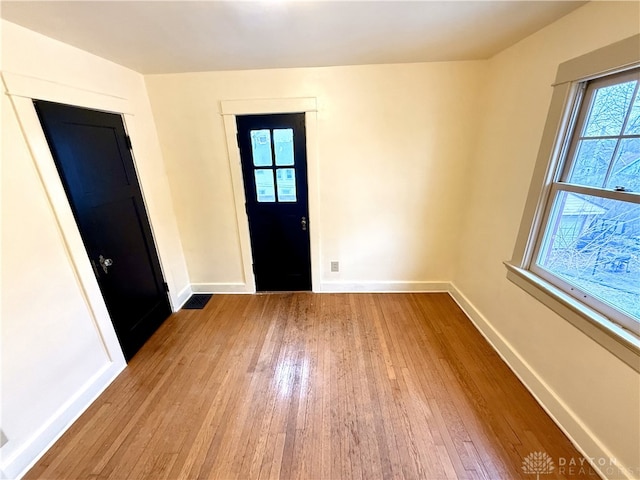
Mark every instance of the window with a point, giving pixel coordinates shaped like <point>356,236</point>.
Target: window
<point>286,178</point>
<point>262,154</point>
<point>261,148</point>
<point>589,245</point>
<point>265,189</point>
<point>283,141</point>
<point>578,247</point>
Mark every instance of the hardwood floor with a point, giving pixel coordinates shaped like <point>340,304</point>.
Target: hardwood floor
<point>330,386</point>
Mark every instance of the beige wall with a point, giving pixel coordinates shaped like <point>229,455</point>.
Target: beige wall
<point>393,149</point>
<point>594,395</point>
<point>423,174</point>
<point>58,345</point>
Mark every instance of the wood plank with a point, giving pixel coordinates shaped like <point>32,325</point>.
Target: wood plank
<point>311,386</point>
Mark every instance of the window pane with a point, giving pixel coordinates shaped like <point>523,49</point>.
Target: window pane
<point>608,110</point>
<point>626,169</point>
<point>633,125</point>
<point>286,178</point>
<point>265,190</point>
<point>261,148</point>
<point>592,162</point>
<point>283,141</point>
<point>594,244</point>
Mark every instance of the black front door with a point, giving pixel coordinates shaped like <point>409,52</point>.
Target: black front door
<point>91,152</point>
<point>274,167</point>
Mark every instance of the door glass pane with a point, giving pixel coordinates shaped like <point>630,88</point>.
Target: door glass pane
<point>594,244</point>
<point>261,148</point>
<point>283,141</point>
<point>286,178</point>
<point>626,169</point>
<point>265,190</point>
<point>608,110</point>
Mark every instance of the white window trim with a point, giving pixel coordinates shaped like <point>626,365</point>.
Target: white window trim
<point>614,58</point>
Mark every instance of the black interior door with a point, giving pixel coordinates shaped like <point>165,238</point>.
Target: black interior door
<point>91,152</point>
<point>274,167</point>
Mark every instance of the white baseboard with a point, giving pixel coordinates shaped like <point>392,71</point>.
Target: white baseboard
<point>220,288</point>
<point>382,287</point>
<point>585,441</point>
<point>18,464</point>
<point>334,287</point>
<point>182,297</point>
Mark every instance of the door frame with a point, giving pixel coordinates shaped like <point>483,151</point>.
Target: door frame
<point>22,90</point>
<point>230,109</point>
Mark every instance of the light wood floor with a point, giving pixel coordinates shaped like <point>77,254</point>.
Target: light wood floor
<point>311,386</point>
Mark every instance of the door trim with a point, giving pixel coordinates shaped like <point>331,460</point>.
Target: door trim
<point>44,165</point>
<point>229,109</point>
<point>36,88</point>
<point>21,91</point>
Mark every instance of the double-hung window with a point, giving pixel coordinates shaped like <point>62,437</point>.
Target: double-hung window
<point>578,248</point>
<point>589,245</point>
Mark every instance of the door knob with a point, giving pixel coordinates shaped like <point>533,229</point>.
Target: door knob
<point>303,222</point>
<point>105,263</point>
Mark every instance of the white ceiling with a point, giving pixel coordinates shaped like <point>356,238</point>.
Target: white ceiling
<point>190,36</point>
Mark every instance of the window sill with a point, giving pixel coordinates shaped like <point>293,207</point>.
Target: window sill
<point>622,343</point>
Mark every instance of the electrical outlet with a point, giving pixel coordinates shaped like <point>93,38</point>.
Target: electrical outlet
<point>335,266</point>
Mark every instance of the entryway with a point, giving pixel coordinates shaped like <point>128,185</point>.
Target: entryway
<point>274,167</point>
